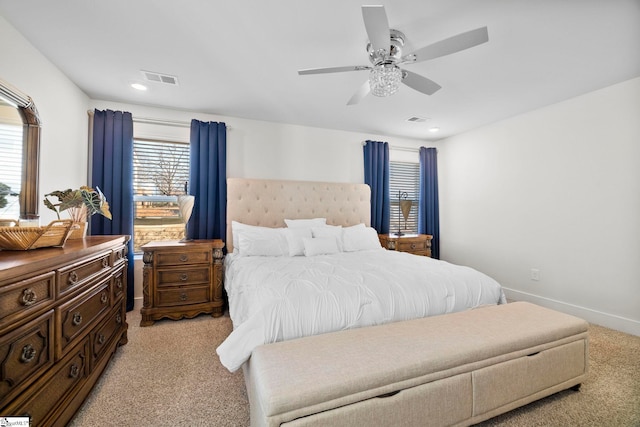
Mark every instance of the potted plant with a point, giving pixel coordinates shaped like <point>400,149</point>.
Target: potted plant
<point>79,204</point>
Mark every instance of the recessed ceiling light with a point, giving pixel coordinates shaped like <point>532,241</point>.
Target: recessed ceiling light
<point>434,129</point>
<point>138,86</point>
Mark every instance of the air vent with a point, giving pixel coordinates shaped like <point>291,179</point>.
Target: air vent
<point>159,77</point>
<point>416,119</point>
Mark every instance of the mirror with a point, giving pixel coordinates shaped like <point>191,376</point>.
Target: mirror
<point>28,196</point>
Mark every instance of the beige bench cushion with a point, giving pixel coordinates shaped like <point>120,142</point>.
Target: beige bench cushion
<point>322,372</point>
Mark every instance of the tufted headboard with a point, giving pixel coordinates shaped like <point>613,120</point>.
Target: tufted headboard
<point>268,202</point>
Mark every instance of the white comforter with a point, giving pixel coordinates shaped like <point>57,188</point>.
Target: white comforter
<point>280,298</point>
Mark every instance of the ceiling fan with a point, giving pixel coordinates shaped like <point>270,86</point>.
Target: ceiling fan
<point>385,54</point>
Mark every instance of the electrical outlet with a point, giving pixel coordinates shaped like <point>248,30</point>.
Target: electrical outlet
<point>535,274</point>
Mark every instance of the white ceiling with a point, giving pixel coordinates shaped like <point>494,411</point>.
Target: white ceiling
<point>240,58</point>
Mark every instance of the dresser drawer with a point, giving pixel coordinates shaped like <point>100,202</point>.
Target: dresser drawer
<point>74,317</point>
<point>77,275</point>
<point>185,276</point>
<point>102,337</point>
<point>179,258</point>
<point>23,298</point>
<point>118,286</point>
<point>25,354</point>
<point>39,401</point>
<point>183,296</point>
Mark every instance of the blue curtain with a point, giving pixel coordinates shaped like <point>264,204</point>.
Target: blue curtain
<point>112,171</point>
<point>376,175</point>
<point>208,180</point>
<point>428,209</point>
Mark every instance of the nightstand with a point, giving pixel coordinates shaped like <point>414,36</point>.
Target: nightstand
<point>418,244</point>
<point>181,279</point>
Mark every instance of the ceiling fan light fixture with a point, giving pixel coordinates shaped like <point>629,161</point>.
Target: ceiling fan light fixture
<point>384,80</point>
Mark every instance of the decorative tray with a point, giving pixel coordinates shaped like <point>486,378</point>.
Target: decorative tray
<point>24,238</point>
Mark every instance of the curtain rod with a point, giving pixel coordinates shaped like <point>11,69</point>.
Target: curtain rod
<point>161,122</point>
<point>395,147</point>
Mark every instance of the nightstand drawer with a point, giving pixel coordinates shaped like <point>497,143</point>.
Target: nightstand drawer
<point>180,258</point>
<point>183,277</point>
<point>413,246</point>
<point>183,296</point>
<point>417,244</point>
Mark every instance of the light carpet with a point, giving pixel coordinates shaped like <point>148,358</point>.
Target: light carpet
<point>169,375</point>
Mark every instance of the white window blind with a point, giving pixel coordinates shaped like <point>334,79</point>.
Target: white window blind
<point>11,174</point>
<point>404,177</point>
<point>160,174</point>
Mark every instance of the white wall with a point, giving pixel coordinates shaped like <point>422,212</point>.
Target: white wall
<point>62,108</point>
<point>558,190</point>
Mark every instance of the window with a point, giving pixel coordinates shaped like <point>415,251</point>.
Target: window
<point>10,176</point>
<point>160,175</point>
<point>404,177</point>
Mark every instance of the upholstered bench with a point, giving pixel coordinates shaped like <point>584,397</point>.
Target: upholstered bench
<point>454,369</point>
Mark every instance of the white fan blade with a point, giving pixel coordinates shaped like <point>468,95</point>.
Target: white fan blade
<point>377,26</point>
<point>360,94</point>
<point>333,69</point>
<point>451,45</point>
<point>420,83</point>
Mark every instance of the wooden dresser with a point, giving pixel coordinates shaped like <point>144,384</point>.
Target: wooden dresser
<point>62,317</point>
<point>418,244</point>
<point>181,279</point>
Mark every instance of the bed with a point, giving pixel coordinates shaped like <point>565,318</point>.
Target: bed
<point>289,281</point>
<point>345,333</point>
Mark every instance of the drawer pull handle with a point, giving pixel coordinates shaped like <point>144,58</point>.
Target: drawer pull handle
<point>73,278</point>
<point>74,371</point>
<point>183,297</point>
<point>184,258</point>
<point>119,283</point>
<point>100,339</point>
<point>29,297</point>
<point>104,298</point>
<point>184,277</point>
<point>105,263</point>
<point>118,318</point>
<point>28,353</point>
<point>77,319</point>
<point>393,393</point>
<point>413,246</point>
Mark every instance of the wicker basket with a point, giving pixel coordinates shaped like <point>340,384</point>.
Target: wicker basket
<point>24,238</point>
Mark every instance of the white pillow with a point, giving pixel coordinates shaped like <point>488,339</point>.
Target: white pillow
<point>295,238</point>
<point>334,231</point>
<point>320,246</point>
<point>306,223</point>
<point>259,247</point>
<point>236,228</point>
<point>260,241</point>
<point>360,239</point>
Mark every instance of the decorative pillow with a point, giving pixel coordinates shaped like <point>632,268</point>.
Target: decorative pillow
<point>236,228</point>
<point>360,239</point>
<point>334,231</point>
<point>295,238</point>
<point>306,223</point>
<point>320,246</point>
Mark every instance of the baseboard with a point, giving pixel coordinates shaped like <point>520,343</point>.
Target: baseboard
<point>612,321</point>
